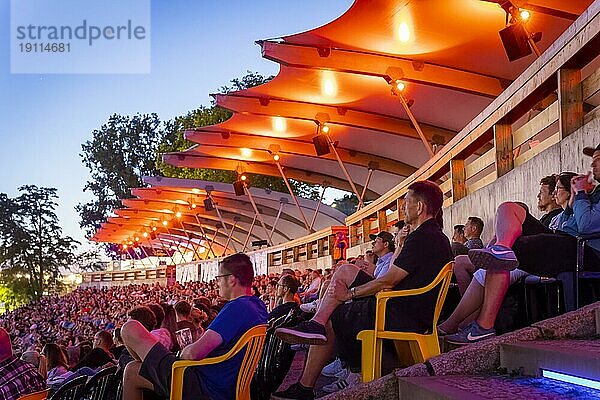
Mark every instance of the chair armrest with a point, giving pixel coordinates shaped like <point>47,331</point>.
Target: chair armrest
<point>591,236</point>
<point>386,294</point>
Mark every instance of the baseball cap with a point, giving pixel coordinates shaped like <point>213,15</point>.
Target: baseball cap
<point>589,151</point>
<point>385,236</point>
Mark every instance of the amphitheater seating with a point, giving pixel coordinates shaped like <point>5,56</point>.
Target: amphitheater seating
<point>72,390</point>
<point>41,395</point>
<point>422,346</point>
<point>98,386</point>
<point>253,341</point>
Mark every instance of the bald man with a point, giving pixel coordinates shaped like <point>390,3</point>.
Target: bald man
<point>17,377</point>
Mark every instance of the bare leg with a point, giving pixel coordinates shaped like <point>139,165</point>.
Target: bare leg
<point>496,285</point>
<point>133,383</point>
<point>470,303</point>
<point>463,271</point>
<point>509,223</point>
<point>137,339</point>
<point>317,358</point>
<point>346,274</point>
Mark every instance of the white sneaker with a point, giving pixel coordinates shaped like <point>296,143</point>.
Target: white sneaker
<point>310,307</point>
<point>333,368</point>
<point>350,380</point>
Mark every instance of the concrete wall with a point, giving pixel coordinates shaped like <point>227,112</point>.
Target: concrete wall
<point>522,183</point>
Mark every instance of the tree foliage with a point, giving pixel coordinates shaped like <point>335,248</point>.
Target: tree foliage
<point>32,246</point>
<point>346,204</point>
<point>119,154</point>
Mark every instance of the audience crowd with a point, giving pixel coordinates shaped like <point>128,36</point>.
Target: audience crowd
<point>141,328</point>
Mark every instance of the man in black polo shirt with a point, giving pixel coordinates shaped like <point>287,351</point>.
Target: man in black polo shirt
<point>425,252</point>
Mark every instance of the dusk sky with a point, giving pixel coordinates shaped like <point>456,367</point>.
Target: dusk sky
<point>196,47</point>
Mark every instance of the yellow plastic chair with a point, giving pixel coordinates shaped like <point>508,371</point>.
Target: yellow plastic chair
<point>41,395</point>
<point>422,346</point>
<point>253,340</point>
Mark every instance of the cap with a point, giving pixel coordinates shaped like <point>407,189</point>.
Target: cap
<point>589,151</point>
<point>385,236</point>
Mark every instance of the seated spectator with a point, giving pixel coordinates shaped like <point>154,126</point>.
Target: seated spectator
<point>119,346</point>
<point>312,291</point>
<point>100,354</point>
<point>56,365</point>
<point>163,335</point>
<point>17,377</point>
<point>198,317</point>
<point>546,201</point>
<point>287,286</point>
<point>472,231</point>
<point>152,368</point>
<point>183,310</point>
<point>459,234</point>
<point>523,241</point>
<point>424,253</point>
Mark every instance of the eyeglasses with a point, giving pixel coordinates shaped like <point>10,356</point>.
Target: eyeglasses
<point>221,276</point>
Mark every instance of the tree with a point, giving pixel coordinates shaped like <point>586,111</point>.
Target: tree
<point>174,141</point>
<point>32,246</point>
<point>346,204</point>
<point>120,153</point>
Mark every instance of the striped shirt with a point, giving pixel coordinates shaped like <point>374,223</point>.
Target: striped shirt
<point>18,378</point>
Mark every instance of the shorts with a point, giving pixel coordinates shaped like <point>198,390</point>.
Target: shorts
<point>157,368</point>
<point>515,275</point>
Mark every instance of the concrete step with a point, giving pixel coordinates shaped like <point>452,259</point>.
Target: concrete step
<point>460,387</point>
<point>574,357</point>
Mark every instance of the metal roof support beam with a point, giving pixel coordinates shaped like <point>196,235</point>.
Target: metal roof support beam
<point>249,233</point>
<point>189,238</point>
<point>314,218</point>
<point>208,190</point>
<point>287,184</point>
<point>281,204</point>
<point>260,219</point>
<point>177,243</point>
<point>212,241</point>
<point>229,238</point>
<point>362,195</point>
<point>163,248</point>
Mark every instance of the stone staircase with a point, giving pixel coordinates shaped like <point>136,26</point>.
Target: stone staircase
<point>506,367</point>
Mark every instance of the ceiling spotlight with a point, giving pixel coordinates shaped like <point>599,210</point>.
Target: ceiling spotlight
<point>165,223</point>
<point>137,239</point>
<point>178,214</point>
<point>243,177</point>
<point>276,157</point>
<point>524,15</point>
<point>193,205</point>
<point>124,247</point>
<point>325,129</point>
<point>130,242</point>
<point>153,228</point>
<point>145,234</point>
<point>400,85</point>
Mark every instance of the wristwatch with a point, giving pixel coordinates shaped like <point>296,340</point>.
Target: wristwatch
<point>352,292</point>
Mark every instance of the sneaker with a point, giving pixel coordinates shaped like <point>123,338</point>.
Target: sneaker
<point>333,368</point>
<point>495,257</point>
<point>306,332</point>
<point>471,333</point>
<point>296,391</point>
<point>310,307</point>
<point>348,380</point>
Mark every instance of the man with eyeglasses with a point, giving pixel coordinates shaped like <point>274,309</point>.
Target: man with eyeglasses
<point>152,368</point>
<point>523,241</point>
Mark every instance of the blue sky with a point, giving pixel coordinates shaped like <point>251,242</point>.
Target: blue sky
<point>196,47</point>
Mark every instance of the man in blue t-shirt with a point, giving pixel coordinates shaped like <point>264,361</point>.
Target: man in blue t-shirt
<point>152,368</point>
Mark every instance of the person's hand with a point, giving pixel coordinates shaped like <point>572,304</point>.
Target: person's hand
<point>339,291</point>
<point>580,182</point>
<point>401,235</point>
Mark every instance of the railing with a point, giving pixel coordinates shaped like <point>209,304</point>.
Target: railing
<point>545,104</point>
<point>166,273</point>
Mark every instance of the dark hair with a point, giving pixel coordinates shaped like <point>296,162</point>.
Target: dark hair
<point>431,195</point>
<point>240,266</point>
<point>106,338</point>
<point>290,282</point>
<point>399,224</point>
<point>159,313</point>
<point>184,308</point>
<point>144,316</point>
<point>459,228</point>
<point>55,356</point>
<point>477,222</point>
<point>565,180</point>
<point>117,333</point>
<point>549,180</point>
